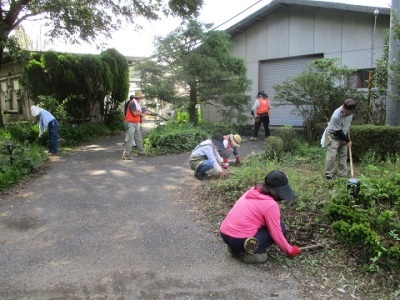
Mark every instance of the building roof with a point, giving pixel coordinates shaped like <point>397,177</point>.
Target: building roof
<point>277,4</point>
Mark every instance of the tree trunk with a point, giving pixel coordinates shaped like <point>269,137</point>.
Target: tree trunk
<point>192,105</point>
<point>393,105</point>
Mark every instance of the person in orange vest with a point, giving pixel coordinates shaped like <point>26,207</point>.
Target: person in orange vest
<point>260,111</point>
<point>133,118</point>
<point>231,144</point>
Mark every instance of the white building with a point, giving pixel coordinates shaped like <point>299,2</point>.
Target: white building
<point>278,41</point>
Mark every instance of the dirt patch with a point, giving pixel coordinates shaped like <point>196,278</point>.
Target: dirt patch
<point>333,271</point>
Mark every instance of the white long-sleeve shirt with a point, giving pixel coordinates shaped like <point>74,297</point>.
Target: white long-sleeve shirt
<point>207,148</point>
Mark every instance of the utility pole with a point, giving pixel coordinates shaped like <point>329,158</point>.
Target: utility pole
<point>371,72</point>
<point>393,104</point>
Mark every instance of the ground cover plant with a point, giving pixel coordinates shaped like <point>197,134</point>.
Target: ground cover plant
<point>361,235</point>
<point>30,152</point>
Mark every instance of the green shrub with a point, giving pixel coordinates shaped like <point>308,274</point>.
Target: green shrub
<point>288,135</point>
<point>25,160</point>
<point>173,139</point>
<point>25,133</point>
<point>370,222</point>
<point>381,140</point>
<point>274,148</point>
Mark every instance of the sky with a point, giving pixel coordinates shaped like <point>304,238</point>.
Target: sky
<point>222,13</point>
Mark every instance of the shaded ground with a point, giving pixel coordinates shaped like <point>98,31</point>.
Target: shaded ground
<point>91,226</point>
<point>332,272</point>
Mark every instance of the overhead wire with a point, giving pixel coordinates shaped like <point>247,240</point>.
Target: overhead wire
<point>204,34</point>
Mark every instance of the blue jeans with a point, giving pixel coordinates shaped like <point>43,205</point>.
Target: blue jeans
<point>204,167</point>
<point>262,236</point>
<point>53,135</point>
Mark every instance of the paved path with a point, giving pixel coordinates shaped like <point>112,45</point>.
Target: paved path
<point>96,227</point>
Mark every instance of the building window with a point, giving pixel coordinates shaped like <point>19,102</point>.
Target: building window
<point>359,79</point>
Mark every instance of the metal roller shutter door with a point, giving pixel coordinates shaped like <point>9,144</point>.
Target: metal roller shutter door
<point>277,71</point>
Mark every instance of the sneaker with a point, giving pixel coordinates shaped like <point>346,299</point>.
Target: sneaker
<point>257,258</point>
<point>126,157</point>
<point>253,138</point>
<point>250,245</point>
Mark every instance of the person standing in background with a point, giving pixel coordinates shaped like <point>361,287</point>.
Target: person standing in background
<point>133,118</point>
<point>260,112</point>
<point>47,122</point>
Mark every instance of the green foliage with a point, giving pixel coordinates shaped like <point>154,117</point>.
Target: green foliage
<point>382,140</point>
<point>119,81</point>
<point>58,110</point>
<point>379,141</point>
<point>173,139</point>
<point>274,147</point>
<point>288,135</point>
<point>22,132</point>
<point>370,222</point>
<point>317,92</point>
<point>25,160</point>
<point>79,20</point>
<point>79,82</point>
<point>186,74</point>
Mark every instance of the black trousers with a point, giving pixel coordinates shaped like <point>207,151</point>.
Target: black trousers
<point>264,119</point>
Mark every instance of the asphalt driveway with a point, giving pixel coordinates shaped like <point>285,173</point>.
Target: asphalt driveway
<point>93,226</point>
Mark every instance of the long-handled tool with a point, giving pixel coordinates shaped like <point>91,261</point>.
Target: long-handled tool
<point>154,114</point>
<point>353,184</point>
<point>311,247</point>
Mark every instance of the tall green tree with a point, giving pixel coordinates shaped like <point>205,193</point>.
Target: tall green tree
<point>85,20</point>
<point>84,80</point>
<point>119,67</point>
<point>192,65</point>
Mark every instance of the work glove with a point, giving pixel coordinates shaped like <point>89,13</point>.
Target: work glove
<point>144,109</point>
<point>252,112</point>
<point>223,175</point>
<point>238,160</point>
<point>224,165</point>
<point>294,251</point>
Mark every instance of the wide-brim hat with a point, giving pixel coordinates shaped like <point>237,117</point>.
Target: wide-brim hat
<point>235,140</point>
<point>279,182</point>
<point>139,94</point>
<point>349,106</point>
<point>35,110</point>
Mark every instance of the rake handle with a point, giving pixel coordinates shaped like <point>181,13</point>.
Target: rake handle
<point>351,160</point>
<point>312,247</point>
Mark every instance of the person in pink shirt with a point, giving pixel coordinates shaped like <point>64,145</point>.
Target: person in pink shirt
<point>254,222</point>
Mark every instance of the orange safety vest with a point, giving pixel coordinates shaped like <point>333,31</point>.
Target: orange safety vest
<point>130,118</point>
<point>264,106</point>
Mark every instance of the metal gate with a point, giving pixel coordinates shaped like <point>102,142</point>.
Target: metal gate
<point>277,71</point>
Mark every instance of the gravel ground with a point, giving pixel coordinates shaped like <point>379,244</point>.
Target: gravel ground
<point>92,226</point>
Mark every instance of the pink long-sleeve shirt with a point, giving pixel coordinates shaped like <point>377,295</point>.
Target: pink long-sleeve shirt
<point>252,211</point>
